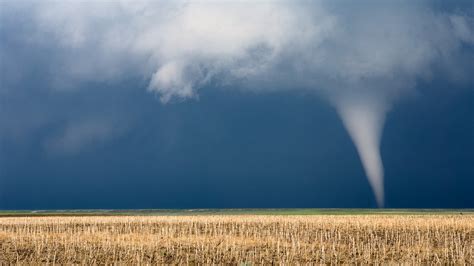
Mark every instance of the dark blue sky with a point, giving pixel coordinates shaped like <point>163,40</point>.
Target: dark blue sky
<point>80,129</point>
<point>243,150</point>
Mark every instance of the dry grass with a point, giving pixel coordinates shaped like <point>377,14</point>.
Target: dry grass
<point>237,239</point>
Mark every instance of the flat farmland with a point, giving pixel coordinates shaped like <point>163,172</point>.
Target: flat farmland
<point>239,238</point>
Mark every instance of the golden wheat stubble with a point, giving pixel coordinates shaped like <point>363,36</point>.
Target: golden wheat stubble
<point>235,239</point>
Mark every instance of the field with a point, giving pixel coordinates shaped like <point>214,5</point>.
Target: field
<point>237,237</point>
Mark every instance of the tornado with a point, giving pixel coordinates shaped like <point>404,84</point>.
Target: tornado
<point>364,122</point>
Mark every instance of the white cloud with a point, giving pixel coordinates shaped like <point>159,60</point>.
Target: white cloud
<point>181,45</point>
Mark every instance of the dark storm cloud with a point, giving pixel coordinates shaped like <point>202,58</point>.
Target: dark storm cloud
<point>361,58</point>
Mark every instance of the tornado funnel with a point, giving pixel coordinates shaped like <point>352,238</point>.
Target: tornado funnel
<point>364,122</point>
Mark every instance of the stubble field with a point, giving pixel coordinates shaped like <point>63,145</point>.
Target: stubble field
<point>237,239</point>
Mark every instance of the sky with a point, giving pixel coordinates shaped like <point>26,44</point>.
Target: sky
<point>205,104</point>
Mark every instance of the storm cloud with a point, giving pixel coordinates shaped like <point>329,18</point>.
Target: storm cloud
<point>361,58</point>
